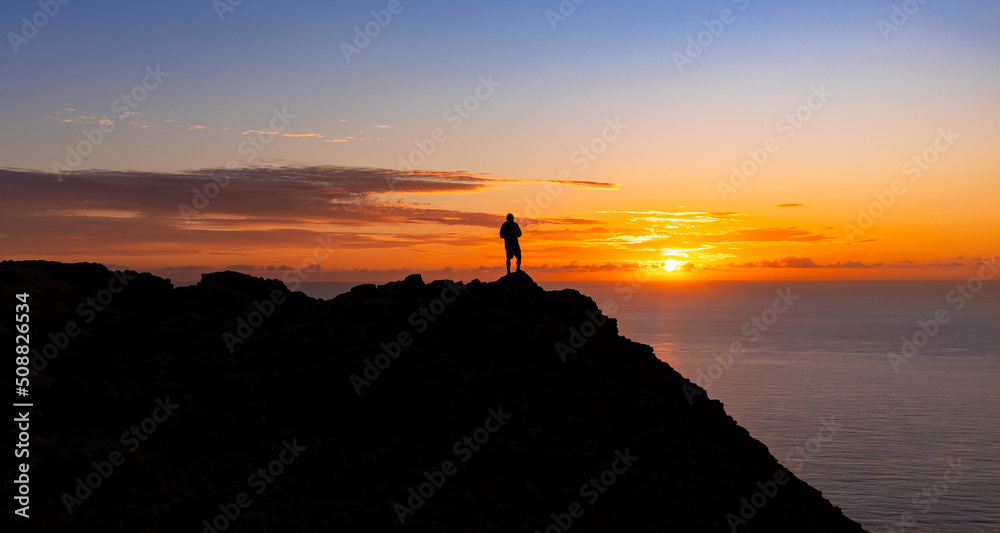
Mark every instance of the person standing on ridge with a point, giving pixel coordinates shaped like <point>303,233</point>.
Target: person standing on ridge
<point>509,232</point>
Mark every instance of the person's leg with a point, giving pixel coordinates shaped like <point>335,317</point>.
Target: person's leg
<point>518,255</point>
<point>509,255</point>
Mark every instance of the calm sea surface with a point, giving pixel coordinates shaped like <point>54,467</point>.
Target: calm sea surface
<point>902,443</point>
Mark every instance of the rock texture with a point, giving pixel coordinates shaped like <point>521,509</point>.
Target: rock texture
<point>462,373</point>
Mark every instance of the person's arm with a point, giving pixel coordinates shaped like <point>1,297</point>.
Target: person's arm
<point>501,230</point>
<point>518,228</point>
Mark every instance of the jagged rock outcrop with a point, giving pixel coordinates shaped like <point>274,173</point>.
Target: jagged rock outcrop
<point>447,405</point>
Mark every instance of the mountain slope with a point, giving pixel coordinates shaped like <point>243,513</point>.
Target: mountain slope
<point>449,407</point>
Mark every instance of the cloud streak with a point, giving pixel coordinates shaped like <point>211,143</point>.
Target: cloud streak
<point>137,213</point>
<point>803,262</point>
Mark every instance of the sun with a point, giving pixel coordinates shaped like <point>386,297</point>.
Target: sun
<point>671,265</point>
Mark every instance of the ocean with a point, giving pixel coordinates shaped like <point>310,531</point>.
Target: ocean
<point>885,396</point>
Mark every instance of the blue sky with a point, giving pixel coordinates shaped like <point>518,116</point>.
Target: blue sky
<point>604,59</point>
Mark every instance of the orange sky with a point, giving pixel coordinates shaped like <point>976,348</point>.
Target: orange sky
<point>337,223</point>
<point>799,140</point>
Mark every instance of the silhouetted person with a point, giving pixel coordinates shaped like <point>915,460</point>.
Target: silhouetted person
<point>509,232</point>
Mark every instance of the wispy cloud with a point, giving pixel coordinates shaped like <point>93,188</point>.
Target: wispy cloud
<point>766,234</point>
<point>137,213</point>
<point>803,262</point>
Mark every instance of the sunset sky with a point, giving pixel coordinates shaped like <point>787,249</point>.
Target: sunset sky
<point>692,140</point>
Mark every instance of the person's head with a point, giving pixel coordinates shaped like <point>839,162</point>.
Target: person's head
<point>510,217</point>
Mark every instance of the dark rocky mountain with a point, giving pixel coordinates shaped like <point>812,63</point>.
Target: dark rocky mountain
<point>237,405</point>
